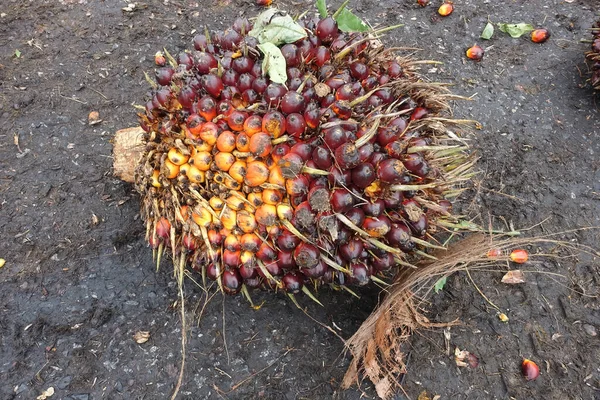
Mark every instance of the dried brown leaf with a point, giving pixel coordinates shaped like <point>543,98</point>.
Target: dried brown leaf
<point>513,277</point>
<point>141,337</point>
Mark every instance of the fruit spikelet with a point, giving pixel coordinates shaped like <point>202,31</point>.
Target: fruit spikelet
<point>336,177</point>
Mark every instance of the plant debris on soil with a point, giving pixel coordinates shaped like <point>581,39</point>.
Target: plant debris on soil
<point>79,282</point>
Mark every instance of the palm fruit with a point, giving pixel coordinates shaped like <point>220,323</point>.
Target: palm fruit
<point>593,56</point>
<point>337,176</point>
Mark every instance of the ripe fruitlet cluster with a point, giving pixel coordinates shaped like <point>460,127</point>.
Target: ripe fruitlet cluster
<point>335,177</point>
<point>594,57</point>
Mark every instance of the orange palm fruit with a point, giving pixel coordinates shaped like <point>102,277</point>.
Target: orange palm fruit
<point>176,156</point>
<point>231,242</point>
<point>446,9</point>
<point>475,53</point>
<point>285,211</point>
<point>224,161</point>
<point>266,214</point>
<point>540,35</point>
<point>255,199</point>
<point>195,175</point>
<point>253,124</point>
<point>260,144</point>
<point>216,203</point>
<point>183,169</point>
<point>228,218</point>
<point>231,183</point>
<point>226,141</point>
<point>235,203</point>
<point>154,181</point>
<point>202,217</point>
<point>182,216</point>
<point>276,176</point>
<point>257,173</point>
<point>246,221</point>
<point>163,228</point>
<point>242,142</point>
<point>170,170</point>
<point>209,132</point>
<point>272,196</point>
<point>250,242</point>
<point>519,256</point>
<point>202,160</point>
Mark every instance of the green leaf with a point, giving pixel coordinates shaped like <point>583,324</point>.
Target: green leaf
<point>348,22</point>
<point>488,31</point>
<point>273,63</point>
<point>439,285</point>
<point>322,7</point>
<point>17,53</point>
<point>516,30</point>
<point>276,27</point>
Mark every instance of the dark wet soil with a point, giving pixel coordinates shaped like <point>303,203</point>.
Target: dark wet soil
<point>79,280</point>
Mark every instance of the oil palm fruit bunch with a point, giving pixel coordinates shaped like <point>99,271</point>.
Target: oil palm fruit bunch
<point>593,56</point>
<point>294,157</point>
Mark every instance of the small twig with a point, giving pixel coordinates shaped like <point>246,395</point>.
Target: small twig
<point>224,335</point>
<point>480,292</point>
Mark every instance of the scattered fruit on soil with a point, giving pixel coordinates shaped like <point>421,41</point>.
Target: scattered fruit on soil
<point>519,256</point>
<point>446,9</point>
<point>475,53</point>
<point>530,370</point>
<point>540,35</point>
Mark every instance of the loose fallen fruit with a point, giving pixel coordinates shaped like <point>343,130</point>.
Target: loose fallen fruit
<point>446,9</point>
<point>423,3</point>
<point>475,53</point>
<point>540,35</point>
<point>494,253</point>
<point>530,370</point>
<point>519,256</point>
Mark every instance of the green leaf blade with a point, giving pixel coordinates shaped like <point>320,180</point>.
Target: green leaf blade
<point>273,63</point>
<point>488,31</point>
<point>516,30</point>
<point>322,7</point>
<point>274,26</point>
<point>439,284</point>
<point>349,22</point>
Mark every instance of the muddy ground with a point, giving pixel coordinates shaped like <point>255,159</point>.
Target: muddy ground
<point>79,280</point>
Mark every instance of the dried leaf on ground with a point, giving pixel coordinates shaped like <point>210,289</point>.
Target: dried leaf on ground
<point>513,277</point>
<point>46,393</point>
<point>141,337</point>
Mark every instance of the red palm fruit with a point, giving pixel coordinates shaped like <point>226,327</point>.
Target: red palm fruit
<point>318,198</point>
<point>347,156</point>
<point>224,107</point>
<point>374,208</point>
<point>293,282</point>
<point>399,236</point>
<point>207,108</point>
<point>194,124</point>
<point>393,199</point>
<point>260,144</point>
<point>352,250</point>
<point>212,84</point>
<point>337,177</point>
<point>391,171</point>
<point>363,175</point>
<point>377,227</point>
<point>163,228</point>
<point>386,135</point>
<point>231,258</point>
<point>273,268</point>
<point>236,120</point>
<point>322,157</point>
<point>295,124</point>
<point>248,269</point>
<point>244,82</point>
<point>360,273</point>
<point>266,253</point>
<point>356,215</point>
<point>287,241</point>
<point>322,55</point>
<point>335,137</point>
<point>205,62</point>
<point>540,35</point>
<point>365,152</point>
<point>291,53</point>
<point>396,148</point>
<point>292,102</point>
<point>291,165</point>
<point>273,93</point>
<point>211,271</point>
<point>249,96</point>
<point>285,259</point>
<point>303,149</point>
<point>189,242</point>
<point>200,42</point>
<point>260,84</point>
<point>312,116</point>
<point>231,281</point>
<point>359,71</point>
<point>419,113</point>
<point>279,150</point>
<point>297,186</point>
<point>250,241</point>
<point>230,77</point>
<point>475,52</point>
<point>306,255</point>
<point>341,200</point>
<point>304,216</point>
<point>530,370</point>
<point>342,109</point>
<point>317,271</point>
<point>327,30</point>
<point>242,64</point>
<point>273,123</point>
<point>163,75</point>
<point>242,25</point>
<point>384,262</point>
<point>415,163</point>
<point>215,238</point>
